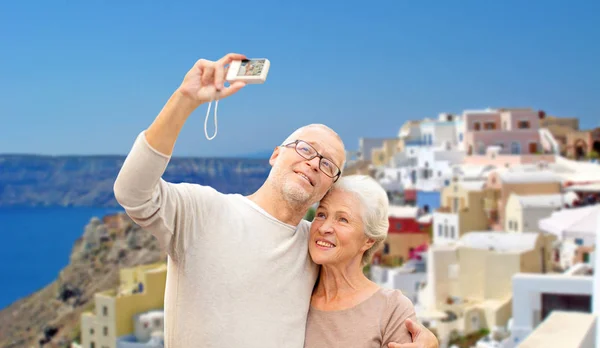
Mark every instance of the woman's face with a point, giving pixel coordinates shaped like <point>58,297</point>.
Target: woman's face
<point>337,231</point>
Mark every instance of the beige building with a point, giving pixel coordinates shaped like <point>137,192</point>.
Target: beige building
<point>461,211</point>
<point>141,289</point>
<point>553,121</point>
<point>360,167</point>
<point>523,212</point>
<point>573,142</point>
<point>381,156</point>
<point>564,329</point>
<point>469,284</point>
<point>504,182</point>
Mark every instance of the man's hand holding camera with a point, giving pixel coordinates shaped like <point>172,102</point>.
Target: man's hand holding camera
<point>205,81</point>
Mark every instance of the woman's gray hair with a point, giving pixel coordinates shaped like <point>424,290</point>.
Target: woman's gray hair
<point>374,204</point>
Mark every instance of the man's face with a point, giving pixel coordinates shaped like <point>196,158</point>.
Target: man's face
<point>300,181</point>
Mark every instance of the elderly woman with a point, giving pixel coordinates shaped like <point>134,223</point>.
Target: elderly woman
<point>347,309</point>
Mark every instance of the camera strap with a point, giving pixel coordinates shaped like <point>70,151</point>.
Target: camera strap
<point>206,120</point>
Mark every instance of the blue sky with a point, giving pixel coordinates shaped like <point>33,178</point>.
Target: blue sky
<point>86,77</point>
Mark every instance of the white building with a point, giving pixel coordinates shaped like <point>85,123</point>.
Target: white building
<point>556,310</point>
<point>431,149</point>
<point>148,331</point>
<point>535,296</point>
<point>575,228</point>
<point>409,278</point>
<point>524,212</point>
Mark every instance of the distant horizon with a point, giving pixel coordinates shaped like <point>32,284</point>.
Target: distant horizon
<point>258,155</point>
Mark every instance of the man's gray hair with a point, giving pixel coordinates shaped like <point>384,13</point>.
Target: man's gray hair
<point>296,134</point>
<point>374,208</point>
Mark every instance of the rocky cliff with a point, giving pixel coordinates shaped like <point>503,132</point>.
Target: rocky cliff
<point>29,180</point>
<point>51,316</point>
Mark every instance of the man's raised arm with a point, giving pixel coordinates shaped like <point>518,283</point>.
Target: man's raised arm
<point>149,200</point>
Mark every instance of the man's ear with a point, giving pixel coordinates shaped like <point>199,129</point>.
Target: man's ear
<point>274,155</point>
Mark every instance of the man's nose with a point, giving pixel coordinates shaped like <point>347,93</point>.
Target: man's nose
<point>314,163</point>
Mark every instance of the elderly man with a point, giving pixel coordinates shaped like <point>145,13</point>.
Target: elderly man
<point>239,272</point>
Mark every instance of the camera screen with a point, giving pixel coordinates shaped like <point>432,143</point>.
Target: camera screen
<point>251,67</point>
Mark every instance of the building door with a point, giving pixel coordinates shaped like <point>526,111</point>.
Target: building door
<point>475,322</point>
<point>532,147</point>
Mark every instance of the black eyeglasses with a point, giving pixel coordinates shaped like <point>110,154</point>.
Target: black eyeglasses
<point>326,165</point>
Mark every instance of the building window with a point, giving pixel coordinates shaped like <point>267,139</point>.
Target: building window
<point>92,345</point>
<point>489,126</point>
<point>105,311</point>
<point>440,230</point>
<point>477,126</point>
<point>516,226</point>
<point>106,331</point>
<point>91,331</point>
<point>515,148</point>
<point>451,231</point>
<point>505,125</point>
<point>579,241</point>
<point>510,225</point>
<point>523,124</point>
<point>446,231</point>
<point>481,148</point>
<point>460,137</point>
<point>386,248</point>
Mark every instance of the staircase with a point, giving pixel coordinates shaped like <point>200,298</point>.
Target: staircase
<point>547,141</point>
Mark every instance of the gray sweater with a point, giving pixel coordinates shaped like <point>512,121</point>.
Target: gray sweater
<point>237,277</point>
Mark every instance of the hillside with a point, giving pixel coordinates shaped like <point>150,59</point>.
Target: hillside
<point>29,181</point>
<point>53,313</point>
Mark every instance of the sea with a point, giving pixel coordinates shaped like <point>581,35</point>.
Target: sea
<point>38,243</point>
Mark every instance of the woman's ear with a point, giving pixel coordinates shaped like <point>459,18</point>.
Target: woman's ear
<point>368,244</point>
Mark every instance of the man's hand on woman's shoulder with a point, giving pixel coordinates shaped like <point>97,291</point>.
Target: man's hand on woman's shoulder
<point>421,336</point>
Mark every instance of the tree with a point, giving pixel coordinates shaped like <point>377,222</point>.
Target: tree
<point>310,214</point>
